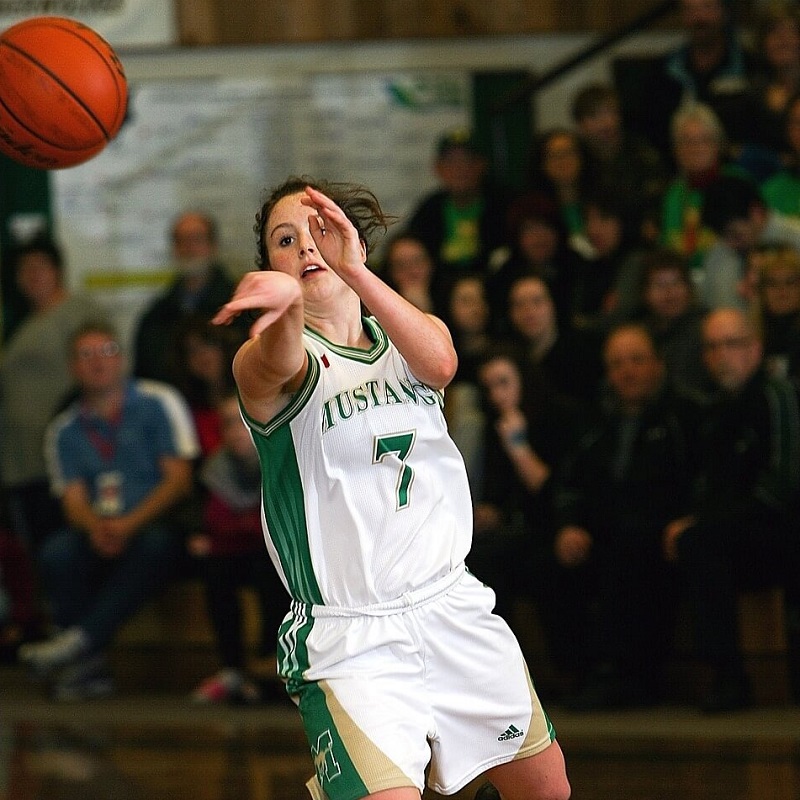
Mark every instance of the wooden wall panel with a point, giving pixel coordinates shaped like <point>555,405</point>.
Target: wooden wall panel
<point>296,21</point>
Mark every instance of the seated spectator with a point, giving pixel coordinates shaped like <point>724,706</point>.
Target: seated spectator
<point>539,246</point>
<point>203,374</point>
<point>231,554</point>
<point>561,171</point>
<point>781,191</point>
<point>200,286</point>
<point>735,209</point>
<point>615,593</point>
<point>699,141</point>
<point>627,165</point>
<point>604,286</point>
<point>711,66</point>
<point>741,530</point>
<point>409,269</point>
<point>527,431</point>
<point>462,221</point>
<point>761,129</point>
<point>120,458</point>
<point>567,357</point>
<point>34,379</point>
<point>777,309</point>
<point>469,321</point>
<point>670,311</point>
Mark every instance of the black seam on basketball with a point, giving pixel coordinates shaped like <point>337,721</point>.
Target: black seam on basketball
<point>37,134</point>
<point>61,83</point>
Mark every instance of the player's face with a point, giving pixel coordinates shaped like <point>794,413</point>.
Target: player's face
<point>634,370</point>
<point>732,353</point>
<point>290,246</point>
<point>501,381</point>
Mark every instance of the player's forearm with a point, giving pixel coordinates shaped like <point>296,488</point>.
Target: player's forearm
<point>422,340</point>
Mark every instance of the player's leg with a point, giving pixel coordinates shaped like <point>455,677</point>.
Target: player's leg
<point>539,777</point>
<point>402,793</point>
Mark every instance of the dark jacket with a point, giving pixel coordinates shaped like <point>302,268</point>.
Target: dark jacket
<point>155,345</point>
<point>749,455</point>
<point>611,491</point>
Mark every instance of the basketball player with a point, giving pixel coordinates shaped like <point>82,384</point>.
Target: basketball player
<point>390,649</point>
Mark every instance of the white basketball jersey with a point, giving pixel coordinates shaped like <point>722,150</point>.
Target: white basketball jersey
<point>365,495</point>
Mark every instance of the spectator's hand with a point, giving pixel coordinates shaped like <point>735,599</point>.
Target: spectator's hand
<point>573,545</point>
<point>199,545</point>
<point>110,535</point>
<point>486,518</point>
<point>512,427</point>
<point>672,533</point>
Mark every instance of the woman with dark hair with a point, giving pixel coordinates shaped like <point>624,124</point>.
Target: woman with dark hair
<point>540,247</point>
<point>401,672</point>
<point>561,171</point>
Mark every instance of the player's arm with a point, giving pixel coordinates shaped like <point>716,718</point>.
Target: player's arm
<point>273,361</point>
<point>422,339</point>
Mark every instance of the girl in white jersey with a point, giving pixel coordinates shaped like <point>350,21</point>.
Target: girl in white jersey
<point>401,672</point>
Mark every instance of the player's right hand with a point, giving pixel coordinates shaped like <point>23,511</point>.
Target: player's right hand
<point>267,292</point>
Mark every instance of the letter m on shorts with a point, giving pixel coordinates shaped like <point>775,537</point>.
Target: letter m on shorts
<point>324,762</point>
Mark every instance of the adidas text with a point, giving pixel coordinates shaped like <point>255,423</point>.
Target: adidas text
<point>511,732</point>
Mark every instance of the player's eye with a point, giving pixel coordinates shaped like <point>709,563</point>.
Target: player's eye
<point>285,241</point>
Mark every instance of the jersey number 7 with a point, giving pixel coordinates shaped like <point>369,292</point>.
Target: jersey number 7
<point>399,444</point>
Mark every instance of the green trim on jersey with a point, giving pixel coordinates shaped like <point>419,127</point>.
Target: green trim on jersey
<point>295,405</point>
<point>282,491</point>
<point>379,347</point>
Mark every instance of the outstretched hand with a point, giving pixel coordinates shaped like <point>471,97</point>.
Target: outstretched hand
<point>334,234</point>
<point>268,292</point>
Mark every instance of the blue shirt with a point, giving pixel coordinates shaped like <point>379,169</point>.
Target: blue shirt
<point>155,422</point>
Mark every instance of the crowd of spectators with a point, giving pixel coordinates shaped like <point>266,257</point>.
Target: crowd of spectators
<point>628,328</point>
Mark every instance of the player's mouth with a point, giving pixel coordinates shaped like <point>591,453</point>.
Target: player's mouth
<point>311,269</point>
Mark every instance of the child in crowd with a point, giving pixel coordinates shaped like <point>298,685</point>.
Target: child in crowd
<point>231,554</point>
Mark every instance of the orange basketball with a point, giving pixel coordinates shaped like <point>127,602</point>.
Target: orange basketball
<point>63,92</point>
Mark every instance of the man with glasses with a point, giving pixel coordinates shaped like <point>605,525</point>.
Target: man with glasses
<point>742,531</point>
<point>119,459</point>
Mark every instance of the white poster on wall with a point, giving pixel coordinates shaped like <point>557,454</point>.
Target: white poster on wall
<point>216,145</point>
<point>123,23</point>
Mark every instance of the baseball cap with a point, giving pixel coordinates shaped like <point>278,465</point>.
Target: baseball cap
<point>458,138</point>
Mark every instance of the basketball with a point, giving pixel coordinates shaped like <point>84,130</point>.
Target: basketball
<point>63,92</point>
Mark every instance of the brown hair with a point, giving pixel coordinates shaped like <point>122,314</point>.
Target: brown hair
<point>358,203</point>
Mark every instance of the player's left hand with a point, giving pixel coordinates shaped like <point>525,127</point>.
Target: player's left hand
<point>334,234</point>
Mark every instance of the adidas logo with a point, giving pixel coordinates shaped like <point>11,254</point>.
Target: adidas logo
<point>511,732</point>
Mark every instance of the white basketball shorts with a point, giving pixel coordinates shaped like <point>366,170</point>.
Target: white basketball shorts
<point>433,681</point>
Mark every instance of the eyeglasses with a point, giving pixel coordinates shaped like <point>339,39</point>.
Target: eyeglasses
<point>730,343</point>
<point>107,350</point>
